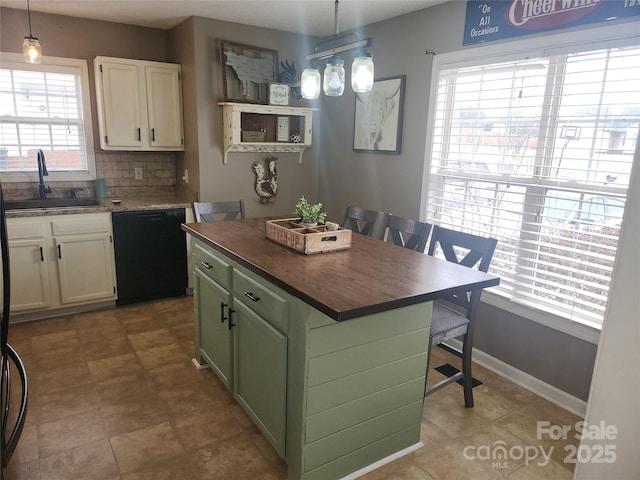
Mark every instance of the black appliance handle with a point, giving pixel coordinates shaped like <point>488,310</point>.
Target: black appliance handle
<point>6,279</point>
<point>8,446</point>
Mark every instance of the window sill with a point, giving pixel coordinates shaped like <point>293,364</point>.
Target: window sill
<point>564,325</point>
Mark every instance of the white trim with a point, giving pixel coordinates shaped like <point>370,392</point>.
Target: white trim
<point>528,382</point>
<point>383,461</point>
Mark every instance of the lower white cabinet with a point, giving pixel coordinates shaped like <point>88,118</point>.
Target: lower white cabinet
<point>60,261</point>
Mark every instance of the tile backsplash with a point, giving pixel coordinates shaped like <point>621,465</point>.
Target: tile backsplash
<point>118,170</point>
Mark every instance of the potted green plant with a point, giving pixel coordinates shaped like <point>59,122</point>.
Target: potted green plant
<point>310,214</point>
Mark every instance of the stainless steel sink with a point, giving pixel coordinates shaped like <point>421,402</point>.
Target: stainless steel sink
<point>51,203</point>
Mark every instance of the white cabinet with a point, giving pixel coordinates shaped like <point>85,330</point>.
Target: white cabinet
<point>266,128</point>
<point>84,252</point>
<point>29,270</point>
<point>60,261</point>
<point>139,104</point>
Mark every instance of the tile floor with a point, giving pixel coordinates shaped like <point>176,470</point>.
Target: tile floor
<point>114,395</point>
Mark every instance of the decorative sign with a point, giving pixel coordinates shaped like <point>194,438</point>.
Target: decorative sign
<point>283,129</point>
<point>279,94</point>
<point>497,19</point>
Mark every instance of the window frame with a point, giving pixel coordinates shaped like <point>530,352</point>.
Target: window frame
<point>58,65</point>
<point>594,38</point>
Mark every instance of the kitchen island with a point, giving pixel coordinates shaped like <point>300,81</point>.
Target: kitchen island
<point>327,353</point>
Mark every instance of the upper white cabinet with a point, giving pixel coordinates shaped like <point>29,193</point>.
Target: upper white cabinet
<point>139,104</point>
<point>266,128</point>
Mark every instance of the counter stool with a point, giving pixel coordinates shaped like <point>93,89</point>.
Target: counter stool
<point>212,211</point>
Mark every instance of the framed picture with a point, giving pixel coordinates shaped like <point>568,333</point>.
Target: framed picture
<point>247,72</point>
<point>278,94</point>
<point>378,116</point>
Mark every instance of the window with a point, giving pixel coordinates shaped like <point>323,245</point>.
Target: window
<point>536,151</point>
<point>46,107</point>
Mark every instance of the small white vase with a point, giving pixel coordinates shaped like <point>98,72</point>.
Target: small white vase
<point>309,224</point>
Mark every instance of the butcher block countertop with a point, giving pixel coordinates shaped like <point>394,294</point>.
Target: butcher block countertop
<point>370,277</point>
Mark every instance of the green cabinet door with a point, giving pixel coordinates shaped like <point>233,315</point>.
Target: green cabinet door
<point>260,373</point>
<point>215,338</point>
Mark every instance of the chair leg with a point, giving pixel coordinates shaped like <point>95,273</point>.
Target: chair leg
<point>426,375</point>
<point>467,378</point>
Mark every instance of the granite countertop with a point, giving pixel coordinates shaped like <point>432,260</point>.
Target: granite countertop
<point>106,205</point>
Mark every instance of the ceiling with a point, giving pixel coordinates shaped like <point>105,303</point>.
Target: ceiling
<point>307,17</point>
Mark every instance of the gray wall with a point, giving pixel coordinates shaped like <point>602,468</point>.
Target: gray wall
<point>209,178</point>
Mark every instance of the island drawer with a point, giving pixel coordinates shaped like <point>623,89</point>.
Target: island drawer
<point>261,299</point>
<point>211,265</point>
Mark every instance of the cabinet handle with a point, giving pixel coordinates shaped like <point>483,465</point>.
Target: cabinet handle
<point>41,255</point>
<point>139,134</point>
<point>153,134</point>
<point>231,324</point>
<point>59,252</point>
<point>250,296</point>
<point>222,317</point>
<point>206,265</point>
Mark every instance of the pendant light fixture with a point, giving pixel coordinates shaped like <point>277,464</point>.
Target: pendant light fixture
<point>31,46</point>
<point>334,74</point>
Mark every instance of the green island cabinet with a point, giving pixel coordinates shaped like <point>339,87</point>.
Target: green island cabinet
<point>334,388</point>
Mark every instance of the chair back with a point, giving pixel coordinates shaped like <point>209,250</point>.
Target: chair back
<point>407,233</point>
<point>465,249</point>
<point>371,223</point>
<point>212,211</point>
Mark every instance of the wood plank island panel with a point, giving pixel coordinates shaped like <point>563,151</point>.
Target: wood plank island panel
<point>370,277</point>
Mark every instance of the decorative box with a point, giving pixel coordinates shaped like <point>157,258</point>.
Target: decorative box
<point>307,240</point>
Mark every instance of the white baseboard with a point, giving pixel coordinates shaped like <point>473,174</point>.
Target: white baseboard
<point>383,461</point>
<point>198,365</point>
<point>548,392</point>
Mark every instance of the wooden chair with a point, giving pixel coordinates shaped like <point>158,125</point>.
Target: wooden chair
<point>408,233</point>
<point>212,211</point>
<point>456,315</point>
<point>371,223</point>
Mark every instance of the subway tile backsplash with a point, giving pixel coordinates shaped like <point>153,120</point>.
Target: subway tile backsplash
<point>118,170</point>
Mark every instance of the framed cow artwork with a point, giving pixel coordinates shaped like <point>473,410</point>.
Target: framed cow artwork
<point>378,116</point>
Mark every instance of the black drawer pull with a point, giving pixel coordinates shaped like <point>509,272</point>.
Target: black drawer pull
<point>231,324</point>
<point>206,265</point>
<point>222,317</point>
<point>41,255</point>
<point>59,252</point>
<point>250,296</point>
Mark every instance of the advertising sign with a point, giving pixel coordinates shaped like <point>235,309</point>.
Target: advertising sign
<point>493,20</point>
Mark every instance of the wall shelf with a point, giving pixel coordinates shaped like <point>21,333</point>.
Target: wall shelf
<point>271,122</point>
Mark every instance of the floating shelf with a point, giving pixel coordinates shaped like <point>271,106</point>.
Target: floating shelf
<point>276,122</point>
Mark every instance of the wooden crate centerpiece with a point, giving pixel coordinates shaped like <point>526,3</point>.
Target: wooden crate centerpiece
<point>307,240</point>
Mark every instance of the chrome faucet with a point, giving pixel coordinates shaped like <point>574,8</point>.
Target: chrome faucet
<point>42,171</point>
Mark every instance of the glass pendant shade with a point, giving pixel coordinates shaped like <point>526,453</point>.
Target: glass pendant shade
<point>310,83</point>
<point>31,50</point>
<point>362,74</point>
<point>334,77</point>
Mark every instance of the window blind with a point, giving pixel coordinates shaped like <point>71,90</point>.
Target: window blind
<point>537,153</point>
<point>41,109</point>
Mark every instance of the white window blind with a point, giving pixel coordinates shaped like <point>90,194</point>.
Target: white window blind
<point>44,107</point>
<point>537,153</point>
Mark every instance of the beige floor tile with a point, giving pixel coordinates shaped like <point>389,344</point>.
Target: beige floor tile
<point>52,325</point>
<point>162,355</point>
<point>132,414</point>
<point>70,432</point>
<point>125,387</point>
<point>59,356</point>
<point>97,318</point>
<point>98,350</point>
<point>235,457</point>
<point>64,403</point>
<point>112,367</point>
<point>171,375</point>
<point>401,469</point>
<point>205,426</point>
<point>179,468</point>
<point>49,342</point>
<point>151,338</point>
<point>145,447</point>
<point>23,471</point>
<point>93,461</point>
<point>61,378</point>
<point>551,471</point>
<point>189,399</point>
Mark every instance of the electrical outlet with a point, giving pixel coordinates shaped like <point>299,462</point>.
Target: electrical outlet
<point>185,177</point>
<point>138,173</point>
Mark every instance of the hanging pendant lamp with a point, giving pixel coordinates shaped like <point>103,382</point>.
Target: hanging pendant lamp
<point>31,48</point>
<point>334,75</point>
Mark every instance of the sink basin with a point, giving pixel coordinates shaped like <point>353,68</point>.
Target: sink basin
<point>51,203</point>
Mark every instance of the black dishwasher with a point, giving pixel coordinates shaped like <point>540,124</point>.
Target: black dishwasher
<point>151,254</point>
